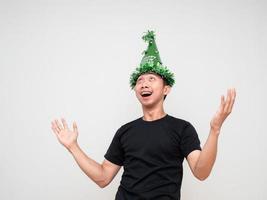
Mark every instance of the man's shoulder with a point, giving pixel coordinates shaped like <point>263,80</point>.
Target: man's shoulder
<point>180,125</point>
<point>130,123</point>
<point>177,120</point>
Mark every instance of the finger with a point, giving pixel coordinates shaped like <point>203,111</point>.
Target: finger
<point>59,126</point>
<point>75,128</point>
<point>222,101</point>
<point>233,99</point>
<point>54,127</point>
<point>222,104</point>
<point>54,130</point>
<point>227,103</point>
<point>65,125</point>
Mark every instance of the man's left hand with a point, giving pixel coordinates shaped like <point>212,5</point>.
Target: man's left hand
<point>224,110</point>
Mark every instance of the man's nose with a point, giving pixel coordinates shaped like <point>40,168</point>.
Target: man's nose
<point>144,84</point>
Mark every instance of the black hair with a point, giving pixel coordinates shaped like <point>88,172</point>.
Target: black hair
<point>165,83</point>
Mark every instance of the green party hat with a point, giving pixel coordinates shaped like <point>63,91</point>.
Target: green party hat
<point>151,62</point>
<point>151,54</point>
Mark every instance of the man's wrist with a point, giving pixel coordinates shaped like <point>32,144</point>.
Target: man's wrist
<point>215,131</point>
<point>73,148</point>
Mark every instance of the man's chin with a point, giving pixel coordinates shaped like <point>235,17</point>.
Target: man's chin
<point>148,104</point>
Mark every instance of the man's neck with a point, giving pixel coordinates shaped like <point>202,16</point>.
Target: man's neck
<point>151,114</point>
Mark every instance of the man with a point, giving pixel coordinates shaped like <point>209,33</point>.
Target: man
<point>151,148</point>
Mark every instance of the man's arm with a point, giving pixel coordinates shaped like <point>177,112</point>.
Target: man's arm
<point>101,174</point>
<point>201,162</point>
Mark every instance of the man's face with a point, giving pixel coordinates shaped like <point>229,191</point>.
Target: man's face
<point>150,89</point>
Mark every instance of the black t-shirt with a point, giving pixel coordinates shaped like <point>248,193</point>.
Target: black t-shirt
<point>152,154</point>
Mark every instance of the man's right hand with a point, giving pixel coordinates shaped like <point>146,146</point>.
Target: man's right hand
<point>101,174</point>
<point>64,135</point>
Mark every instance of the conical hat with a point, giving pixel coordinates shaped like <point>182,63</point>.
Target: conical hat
<point>151,62</point>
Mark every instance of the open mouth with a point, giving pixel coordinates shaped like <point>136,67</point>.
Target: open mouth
<point>146,94</point>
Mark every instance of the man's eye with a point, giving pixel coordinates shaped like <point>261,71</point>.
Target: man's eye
<point>152,78</point>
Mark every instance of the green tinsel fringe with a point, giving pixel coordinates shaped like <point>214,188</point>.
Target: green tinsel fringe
<point>159,69</point>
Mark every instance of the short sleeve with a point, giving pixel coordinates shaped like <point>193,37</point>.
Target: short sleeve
<point>115,152</point>
<point>189,140</point>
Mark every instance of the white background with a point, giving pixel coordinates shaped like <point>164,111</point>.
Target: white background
<point>73,59</point>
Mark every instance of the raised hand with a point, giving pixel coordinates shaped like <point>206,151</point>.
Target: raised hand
<point>224,110</point>
<point>64,135</point>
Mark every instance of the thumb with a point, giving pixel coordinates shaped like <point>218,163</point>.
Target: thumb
<point>75,128</point>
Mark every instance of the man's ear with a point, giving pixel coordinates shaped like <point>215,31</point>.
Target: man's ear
<point>167,89</point>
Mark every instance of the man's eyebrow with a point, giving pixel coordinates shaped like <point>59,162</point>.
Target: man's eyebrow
<point>153,75</point>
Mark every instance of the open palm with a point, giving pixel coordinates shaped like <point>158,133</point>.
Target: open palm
<point>224,110</point>
<point>65,136</point>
